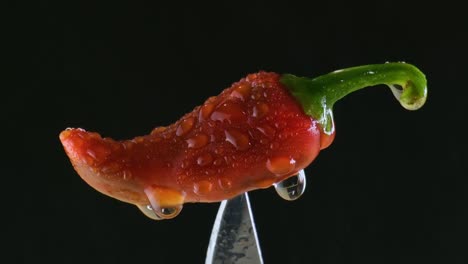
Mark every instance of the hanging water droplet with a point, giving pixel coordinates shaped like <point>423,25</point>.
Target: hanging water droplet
<point>410,94</point>
<point>397,90</point>
<point>148,211</point>
<point>165,203</point>
<point>293,187</point>
<point>329,127</point>
<point>169,212</point>
<point>160,213</point>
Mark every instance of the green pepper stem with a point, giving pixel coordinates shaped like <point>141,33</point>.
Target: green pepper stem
<point>318,95</point>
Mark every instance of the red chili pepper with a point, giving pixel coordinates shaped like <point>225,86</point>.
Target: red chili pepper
<point>260,131</point>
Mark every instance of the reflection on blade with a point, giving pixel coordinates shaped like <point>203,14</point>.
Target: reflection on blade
<point>234,238</point>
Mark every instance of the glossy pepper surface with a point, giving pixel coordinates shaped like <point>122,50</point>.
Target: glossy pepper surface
<point>260,131</point>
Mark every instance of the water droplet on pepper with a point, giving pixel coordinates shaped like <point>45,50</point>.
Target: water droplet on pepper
<point>205,111</point>
<point>111,168</point>
<point>274,145</point>
<point>242,91</point>
<point>205,159</point>
<point>127,175</point>
<point>197,141</point>
<point>185,126</point>
<point>225,184</point>
<point>218,162</point>
<point>230,112</point>
<point>237,139</point>
<point>260,110</point>
<point>91,154</point>
<point>281,165</point>
<point>184,164</point>
<point>202,187</point>
<point>158,130</point>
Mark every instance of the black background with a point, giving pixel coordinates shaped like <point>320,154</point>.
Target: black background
<point>391,189</point>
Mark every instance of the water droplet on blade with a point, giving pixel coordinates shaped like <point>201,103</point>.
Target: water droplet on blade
<point>293,187</point>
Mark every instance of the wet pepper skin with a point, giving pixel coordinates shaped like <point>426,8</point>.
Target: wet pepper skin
<point>251,136</point>
<point>260,131</point>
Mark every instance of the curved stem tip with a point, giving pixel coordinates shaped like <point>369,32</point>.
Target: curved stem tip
<point>318,95</point>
